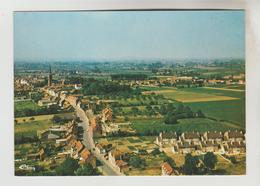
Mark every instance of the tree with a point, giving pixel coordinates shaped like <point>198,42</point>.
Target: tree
<point>170,118</point>
<point>56,119</point>
<point>170,161</point>
<point>190,166</point>
<point>210,160</point>
<point>36,96</point>
<point>126,118</point>
<point>67,167</point>
<point>137,162</point>
<point>32,119</point>
<point>156,152</point>
<point>200,114</point>
<point>86,170</point>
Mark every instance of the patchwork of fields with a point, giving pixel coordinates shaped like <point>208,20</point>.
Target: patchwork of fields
<point>223,104</point>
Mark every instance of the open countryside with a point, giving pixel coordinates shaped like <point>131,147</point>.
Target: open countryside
<point>142,97</point>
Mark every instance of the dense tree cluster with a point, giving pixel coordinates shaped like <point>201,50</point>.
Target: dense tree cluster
<point>195,165</point>
<point>70,167</point>
<point>172,114</point>
<point>137,162</point>
<point>100,87</point>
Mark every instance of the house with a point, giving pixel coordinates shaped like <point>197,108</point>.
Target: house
<point>86,157</point>
<point>73,100</point>
<point>46,103</point>
<point>100,149</point>
<point>76,148</point>
<point>185,147</point>
<point>109,128</point>
<point>234,136</point>
<point>107,114</point>
<point>167,170</point>
<point>236,147</point>
<point>210,146</point>
<point>64,141</point>
<point>213,136</point>
<point>167,138</point>
<point>79,146</point>
<point>115,155</point>
<point>94,122</point>
<point>121,166</point>
<point>78,86</point>
<point>191,137</point>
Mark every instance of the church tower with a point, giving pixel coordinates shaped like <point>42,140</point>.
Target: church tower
<point>50,77</point>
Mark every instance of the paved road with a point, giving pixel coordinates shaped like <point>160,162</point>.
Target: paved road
<point>107,168</point>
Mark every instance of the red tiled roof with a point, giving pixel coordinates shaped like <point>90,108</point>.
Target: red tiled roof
<point>167,168</point>
<point>85,154</point>
<point>79,146</point>
<point>120,163</point>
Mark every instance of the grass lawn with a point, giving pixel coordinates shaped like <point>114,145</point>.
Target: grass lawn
<point>195,124</point>
<point>21,105</point>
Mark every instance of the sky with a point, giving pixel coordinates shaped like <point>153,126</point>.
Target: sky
<point>102,35</point>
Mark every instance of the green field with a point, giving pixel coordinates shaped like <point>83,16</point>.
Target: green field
<point>30,128</point>
<point>195,124</point>
<point>21,105</point>
<point>233,110</point>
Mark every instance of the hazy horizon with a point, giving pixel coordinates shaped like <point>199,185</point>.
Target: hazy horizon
<point>128,35</point>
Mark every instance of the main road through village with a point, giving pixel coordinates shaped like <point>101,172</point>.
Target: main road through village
<point>88,141</point>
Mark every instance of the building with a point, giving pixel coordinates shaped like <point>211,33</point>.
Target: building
<point>107,114</point>
<point>210,146</point>
<point>234,136</point>
<point>46,103</point>
<point>236,147</point>
<point>213,136</point>
<point>186,147</point>
<point>121,166</point>
<point>191,137</point>
<point>167,170</point>
<point>166,138</point>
